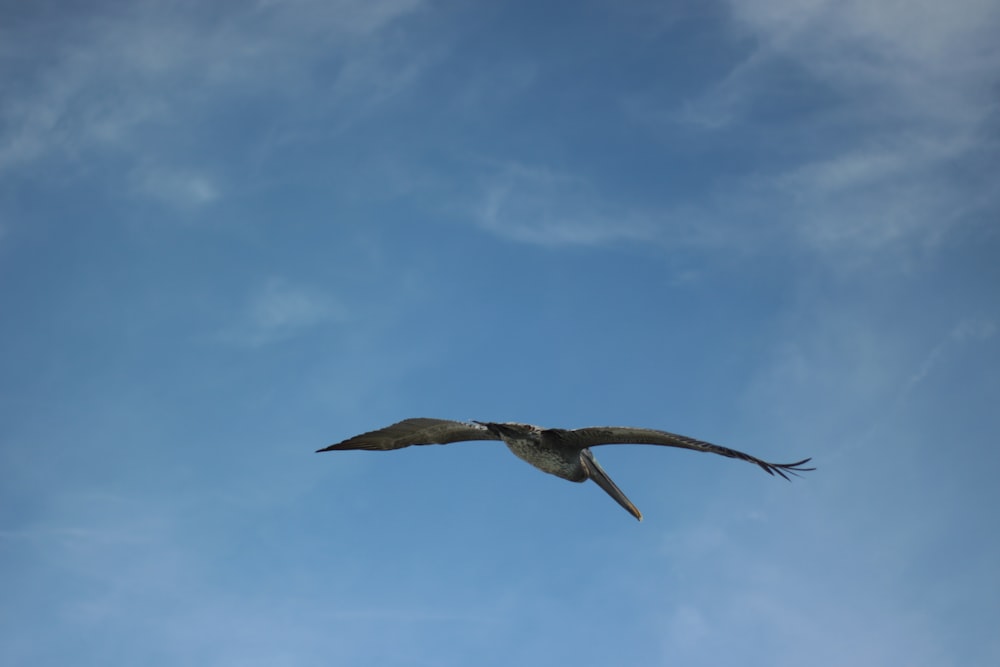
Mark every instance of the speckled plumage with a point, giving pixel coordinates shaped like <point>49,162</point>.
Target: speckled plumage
<point>529,444</point>
<point>560,452</point>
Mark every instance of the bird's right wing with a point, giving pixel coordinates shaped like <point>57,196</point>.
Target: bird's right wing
<point>418,431</point>
<point>610,435</point>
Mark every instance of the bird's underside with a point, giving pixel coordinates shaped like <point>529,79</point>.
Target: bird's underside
<point>561,452</point>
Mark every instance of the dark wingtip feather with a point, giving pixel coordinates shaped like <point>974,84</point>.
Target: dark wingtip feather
<point>768,467</point>
<point>342,446</point>
<point>793,468</point>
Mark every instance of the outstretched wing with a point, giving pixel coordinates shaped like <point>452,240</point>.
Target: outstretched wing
<point>418,431</point>
<point>611,435</point>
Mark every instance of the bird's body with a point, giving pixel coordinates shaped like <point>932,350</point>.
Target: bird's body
<point>560,452</point>
<point>529,443</point>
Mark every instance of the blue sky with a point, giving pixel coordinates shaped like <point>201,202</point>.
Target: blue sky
<point>233,233</point>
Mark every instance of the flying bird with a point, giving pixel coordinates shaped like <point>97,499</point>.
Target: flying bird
<point>560,452</point>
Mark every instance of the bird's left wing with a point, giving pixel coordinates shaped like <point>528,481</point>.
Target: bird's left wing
<point>610,435</point>
<point>418,431</point>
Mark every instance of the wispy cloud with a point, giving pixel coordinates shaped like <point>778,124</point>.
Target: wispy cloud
<point>279,310</point>
<point>882,113</point>
<point>938,60</point>
<point>968,330</point>
<point>180,188</point>
<point>844,375</point>
<point>546,207</point>
<point>888,114</point>
<point>109,81</point>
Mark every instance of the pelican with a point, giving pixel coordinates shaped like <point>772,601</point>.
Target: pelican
<point>560,452</point>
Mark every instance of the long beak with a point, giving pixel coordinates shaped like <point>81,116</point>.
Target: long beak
<point>596,473</point>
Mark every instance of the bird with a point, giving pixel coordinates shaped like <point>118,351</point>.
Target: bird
<point>564,453</point>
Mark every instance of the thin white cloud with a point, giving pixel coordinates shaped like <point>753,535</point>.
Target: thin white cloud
<point>720,106</point>
<point>184,189</point>
<point>281,306</point>
<point>844,373</point>
<point>829,375</point>
<point>904,101</point>
<point>357,18</point>
<point>545,207</point>
<point>899,382</point>
<point>906,88</point>
<point>911,83</point>
<point>939,59</point>
<point>279,310</point>
<point>112,77</point>
<point>968,330</point>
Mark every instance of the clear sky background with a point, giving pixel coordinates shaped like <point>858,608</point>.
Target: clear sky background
<point>232,233</point>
